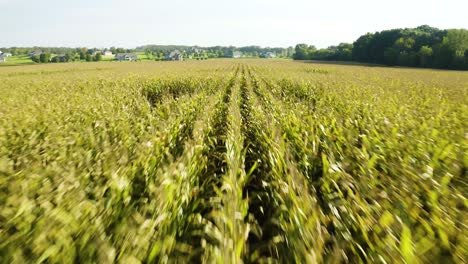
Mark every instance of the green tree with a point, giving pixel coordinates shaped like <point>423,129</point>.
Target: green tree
<point>98,56</point>
<point>149,54</point>
<point>408,58</point>
<point>89,57</point>
<point>362,47</point>
<point>36,58</point>
<point>404,44</point>
<point>301,52</point>
<point>443,55</point>
<point>391,56</point>
<point>44,57</point>
<point>68,57</point>
<point>457,40</point>
<point>425,56</point>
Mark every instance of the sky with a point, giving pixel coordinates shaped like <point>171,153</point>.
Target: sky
<point>267,23</point>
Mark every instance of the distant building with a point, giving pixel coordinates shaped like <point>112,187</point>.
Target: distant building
<point>237,54</point>
<point>2,58</point>
<point>6,54</point>
<point>60,58</point>
<point>196,50</point>
<point>175,56</point>
<point>126,57</point>
<point>34,53</point>
<point>103,53</point>
<point>268,55</point>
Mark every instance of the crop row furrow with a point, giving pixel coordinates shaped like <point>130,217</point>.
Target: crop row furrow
<point>194,231</point>
<point>303,230</point>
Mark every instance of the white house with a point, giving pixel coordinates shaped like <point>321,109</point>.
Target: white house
<point>175,56</point>
<point>107,53</point>
<point>268,55</point>
<point>237,54</point>
<point>6,54</point>
<point>126,57</point>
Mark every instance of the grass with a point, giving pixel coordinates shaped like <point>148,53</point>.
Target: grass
<point>17,60</point>
<point>232,161</point>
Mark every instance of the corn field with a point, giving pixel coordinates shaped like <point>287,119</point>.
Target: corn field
<point>227,161</point>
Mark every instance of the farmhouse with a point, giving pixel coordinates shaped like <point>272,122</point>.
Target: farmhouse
<point>34,53</point>
<point>103,53</point>
<point>126,57</point>
<point>175,56</point>
<point>268,55</point>
<point>237,54</point>
<point>6,54</point>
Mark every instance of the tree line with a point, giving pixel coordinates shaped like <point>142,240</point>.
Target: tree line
<point>16,51</point>
<point>63,54</point>
<point>46,57</point>
<point>423,46</point>
<point>215,51</point>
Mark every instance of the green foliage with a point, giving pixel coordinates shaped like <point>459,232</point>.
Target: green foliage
<point>44,57</point>
<point>405,47</point>
<point>97,57</point>
<point>88,57</point>
<point>301,52</point>
<point>221,162</point>
<point>425,56</point>
<point>36,58</point>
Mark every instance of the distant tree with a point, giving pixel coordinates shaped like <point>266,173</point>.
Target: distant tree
<point>391,55</point>
<point>36,58</point>
<point>44,57</point>
<point>443,55</point>
<point>68,57</point>
<point>425,56</point>
<point>84,51</point>
<point>404,44</point>
<point>362,48</point>
<point>89,57</point>
<point>58,59</point>
<point>321,54</point>
<point>408,58</point>
<point>98,57</point>
<point>344,52</point>
<point>149,54</point>
<point>457,40</point>
<point>422,46</point>
<point>301,52</point>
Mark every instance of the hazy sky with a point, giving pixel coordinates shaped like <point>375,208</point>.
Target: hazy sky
<point>279,23</point>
